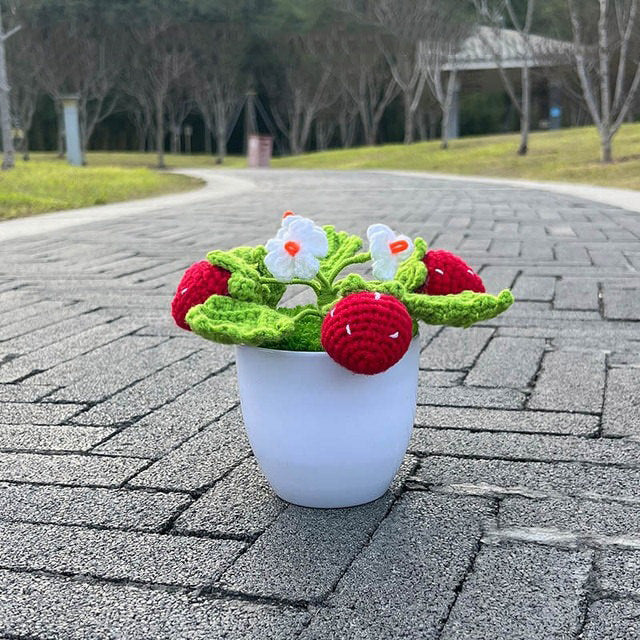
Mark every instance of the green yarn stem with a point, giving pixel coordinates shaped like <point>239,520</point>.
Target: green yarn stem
<point>309,283</point>
<point>308,312</point>
<point>359,258</point>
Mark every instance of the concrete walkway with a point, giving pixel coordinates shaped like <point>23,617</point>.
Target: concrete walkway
<point>130,504</point>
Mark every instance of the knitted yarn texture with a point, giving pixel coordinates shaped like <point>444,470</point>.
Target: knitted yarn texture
<point>367,332</point>
<point>198,282</point>
<point>447,273</point>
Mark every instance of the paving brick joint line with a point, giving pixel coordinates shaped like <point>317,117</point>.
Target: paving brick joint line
<point>131,505</point>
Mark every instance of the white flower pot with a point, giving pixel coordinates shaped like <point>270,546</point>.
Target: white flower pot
<point>323,436</point>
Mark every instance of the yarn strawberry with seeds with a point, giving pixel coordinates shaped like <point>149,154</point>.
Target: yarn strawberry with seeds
<point>199,282</point>
<point>447,273</point>
<point>367,332</point>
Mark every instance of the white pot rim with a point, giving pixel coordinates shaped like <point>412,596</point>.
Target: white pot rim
<point>298,353</point>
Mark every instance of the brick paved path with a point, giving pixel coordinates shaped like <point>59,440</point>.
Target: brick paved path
<point>130,505</point>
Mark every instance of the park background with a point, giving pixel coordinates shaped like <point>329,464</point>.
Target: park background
<point>508,88</point>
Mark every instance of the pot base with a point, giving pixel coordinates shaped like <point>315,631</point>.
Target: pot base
<point>323,436</point>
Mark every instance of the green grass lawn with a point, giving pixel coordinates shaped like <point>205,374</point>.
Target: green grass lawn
<point>46,184</point>
<point>567,155</point>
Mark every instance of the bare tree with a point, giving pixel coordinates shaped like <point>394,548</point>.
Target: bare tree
<point>178,106</point>
<point>602,61</point>
<point>160,57</point>
<point>434,57</point>
<point>366,79</point>
<point>8,160</point>
<point>23,68</point>
<point>218,82</point>
<point>496,13</point>
<point>307,88</point>
<point>402,25</point>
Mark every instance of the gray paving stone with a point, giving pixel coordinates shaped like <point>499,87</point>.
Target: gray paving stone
<point>241,504</point>
<point>618,572</point>
<point>534,288</point>
<point>576,293</point>
<point>55,331</point>
<point>93,363</point>
<point>533,479</point>
<point>304,552</point>
<point>33,331</point>
<point>570,381</point>
<point>520,592</point>
<point>107,381</point>
<point>507,362</point>
<point>622,304</point>
<point>117,555</point>
<point>440,378</point>
<point>201,460</point>
<point>525,446</point>
<point>27,413</point>
<point>455,349</point>
<point>157,389</point>
<point>426,544</point>
<point>167,427</point>
<point>50,438</point>
<point>24,392</point>
<point>54,607</point>
<point>68,469</point>
<point>500,420</point>
<point>593,519</point>
<point>115,508</point>
<point>621,415</point>
<point>612,620</point>
<point>131,267</point>
<point>471,397</point>
<point>66,349</point>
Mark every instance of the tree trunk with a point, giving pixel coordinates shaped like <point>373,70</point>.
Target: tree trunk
<point>408,118</point>
<point>207,139</point>
<point>525,111</point>
<point>24,148</point>
<point>606,153</point>
<point>61,140</point>
<point>446,109</point>
<point>221,145</point>
<point>8,160</point>
<point>160,132</point>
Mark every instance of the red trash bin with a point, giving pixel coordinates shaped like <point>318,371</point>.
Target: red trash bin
<point>260,150</point>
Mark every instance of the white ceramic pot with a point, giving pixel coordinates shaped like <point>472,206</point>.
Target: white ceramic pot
<point>323,436</point>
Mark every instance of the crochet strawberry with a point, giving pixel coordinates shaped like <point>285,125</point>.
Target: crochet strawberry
<point>200,281</point>
<point>367,332</point>
<point>448,273</point>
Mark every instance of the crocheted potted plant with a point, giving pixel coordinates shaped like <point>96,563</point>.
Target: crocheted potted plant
<point>328,389</point>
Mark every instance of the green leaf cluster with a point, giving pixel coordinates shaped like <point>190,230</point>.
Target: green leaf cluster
<point>250,314</point>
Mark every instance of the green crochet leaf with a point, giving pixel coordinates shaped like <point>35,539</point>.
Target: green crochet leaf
<point>342,246</point>
<point>306,334</point>
<point>412,272</point>
<point>459,310</point>
<point>247,267</point>
<point>354,283</point>
<point>230,321</point>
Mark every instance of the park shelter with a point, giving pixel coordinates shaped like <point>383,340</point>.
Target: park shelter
<point>487,50</point>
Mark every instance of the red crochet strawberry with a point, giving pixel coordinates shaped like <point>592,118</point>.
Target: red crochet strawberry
<point>447,273</point>
<point>367,332</point>
<point>199,281</point>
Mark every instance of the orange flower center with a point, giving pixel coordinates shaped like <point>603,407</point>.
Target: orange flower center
<point>286,214</point>
<point>398,246</point>
<point>291,247</point>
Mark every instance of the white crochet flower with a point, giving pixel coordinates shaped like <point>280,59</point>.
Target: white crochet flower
<point>295,250</point>
<point>388,250</point>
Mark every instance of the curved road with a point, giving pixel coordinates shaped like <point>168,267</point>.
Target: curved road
<point>130,505</point>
